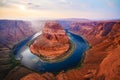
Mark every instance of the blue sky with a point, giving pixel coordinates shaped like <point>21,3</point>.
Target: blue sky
<point>92,9</point>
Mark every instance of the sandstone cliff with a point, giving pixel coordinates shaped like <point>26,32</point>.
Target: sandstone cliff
<point>14,31</point>
<point>52,43</point>
<point>37,76</point>
<point>11,32</point>
<point>110,66</point>
<point>102,59</point>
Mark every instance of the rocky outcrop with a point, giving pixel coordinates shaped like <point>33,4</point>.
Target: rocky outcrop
<point>11,32</point>
<point>36,76</point>
<point>108,44</point>
<point>52,43</point>
<point>104,38</point>
<point>110,66</point>
<point>14,31</point>
<point>96,31</point>
<point>101,61</point>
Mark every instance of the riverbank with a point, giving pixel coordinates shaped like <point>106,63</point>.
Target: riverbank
<point>62,57</point>
<point>65,62</point>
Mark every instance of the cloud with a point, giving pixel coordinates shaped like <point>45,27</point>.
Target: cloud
<point>110,4</point>
<point>10,3</point>
<point>2,2</point>
<point>65,8</point>
<point>113,3</point>
<point>65,1</point>
<point>38,4</point>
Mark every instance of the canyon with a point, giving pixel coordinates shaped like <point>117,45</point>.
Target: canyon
<point>101,61</point>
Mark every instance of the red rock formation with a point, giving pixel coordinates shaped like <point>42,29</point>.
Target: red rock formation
<point>33,76</point>
<point>52,43</point>
<point>13,31</point>
<point>95,32</point>
<point>36,76</point>
<point>105,41</point>
<point>104,38</point>
<point>110,66</point>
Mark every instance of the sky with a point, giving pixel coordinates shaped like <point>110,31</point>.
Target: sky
<point>52,9</point>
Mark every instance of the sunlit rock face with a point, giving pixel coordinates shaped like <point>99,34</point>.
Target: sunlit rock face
<point>110,66</point>
<point>102,61</point>
<point>53,41</point>
<point>36,76</point>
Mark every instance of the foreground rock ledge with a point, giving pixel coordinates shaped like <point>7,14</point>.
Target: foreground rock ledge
<point>52,43</point>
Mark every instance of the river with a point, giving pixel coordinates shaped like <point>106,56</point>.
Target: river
<point>23,53</point>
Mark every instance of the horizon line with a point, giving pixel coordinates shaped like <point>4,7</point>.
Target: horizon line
<point>58,18</point>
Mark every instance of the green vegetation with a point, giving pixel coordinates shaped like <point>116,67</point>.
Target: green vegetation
<point>13,61</point>
<point>82,60</point>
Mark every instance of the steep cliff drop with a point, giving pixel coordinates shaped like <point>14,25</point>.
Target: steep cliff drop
<point>110,66</point>
<point>52,43</point>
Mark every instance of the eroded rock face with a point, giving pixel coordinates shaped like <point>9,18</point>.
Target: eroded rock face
<point>109,46</point>
<point>13,31</point>
<point>110,66</point>
<point>102,46</point>
<point>36,76</point>
<point>52,43</point>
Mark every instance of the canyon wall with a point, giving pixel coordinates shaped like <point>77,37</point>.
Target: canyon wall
<point>101,61</point>
<point>11,33</point>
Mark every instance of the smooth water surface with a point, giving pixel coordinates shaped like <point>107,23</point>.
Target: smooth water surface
<point>23,53</point>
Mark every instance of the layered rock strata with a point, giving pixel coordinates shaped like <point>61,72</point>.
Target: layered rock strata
<point>53,41</point>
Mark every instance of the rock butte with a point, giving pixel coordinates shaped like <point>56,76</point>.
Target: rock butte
<point>52,43</point>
